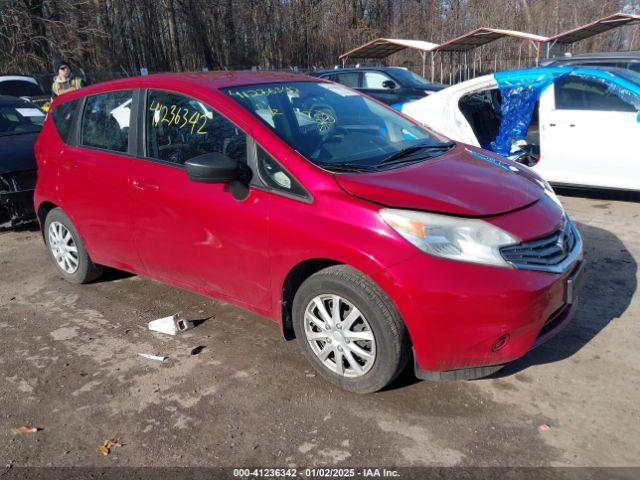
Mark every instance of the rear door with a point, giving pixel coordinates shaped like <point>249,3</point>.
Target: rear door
<point>197,234</point>
<point>94,179</point>
<point>590,133</point>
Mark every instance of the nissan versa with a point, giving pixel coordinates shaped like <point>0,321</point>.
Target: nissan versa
<point>369,238</point>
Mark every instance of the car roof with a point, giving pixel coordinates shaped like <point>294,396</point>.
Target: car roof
<point>598,56</point>
<point>23,78</point>
<point>8,101</point>
<point>355,69</point>
<point>207,80</point>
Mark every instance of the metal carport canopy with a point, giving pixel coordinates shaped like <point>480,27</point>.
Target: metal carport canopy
<point>482,36</point>
<point>383,47</point>
<point>594,28</point>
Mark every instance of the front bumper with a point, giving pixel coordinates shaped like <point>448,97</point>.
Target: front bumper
<point>466,321</point>
<point>16,198</point>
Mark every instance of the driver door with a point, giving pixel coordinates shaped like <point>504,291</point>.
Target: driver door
<point>197,234</point>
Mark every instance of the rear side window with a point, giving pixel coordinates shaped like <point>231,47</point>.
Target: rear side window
<point>106,119</point>
<point>178,128</point>
<point>575,93</point>
<point>62,116</point>
<point>349,79</point>
<point>20,88</point>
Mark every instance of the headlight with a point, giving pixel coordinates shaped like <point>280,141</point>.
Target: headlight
<point>464,239</point>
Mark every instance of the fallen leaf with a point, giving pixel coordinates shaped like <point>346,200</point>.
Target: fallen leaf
<point>109,445</point>
<point>25,429</point>
<point>112,443</point>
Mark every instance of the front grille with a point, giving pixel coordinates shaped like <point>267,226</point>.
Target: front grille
<point>544,253</point>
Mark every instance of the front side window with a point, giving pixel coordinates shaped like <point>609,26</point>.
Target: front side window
<point>62,116</point>
<point>577,93</point>
<point>106,119</point>
<point>331,125</point>
<point>16,119</point>
<point>375,80</point>
<point>179,128</point>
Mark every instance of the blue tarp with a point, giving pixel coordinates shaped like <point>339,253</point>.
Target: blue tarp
<point>521,89</point>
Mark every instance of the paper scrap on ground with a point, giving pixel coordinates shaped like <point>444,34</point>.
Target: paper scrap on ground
<point>157,358</point>
<point>25,429</point>
<point>171,325</point>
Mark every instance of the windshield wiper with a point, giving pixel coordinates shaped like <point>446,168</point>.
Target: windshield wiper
<point>405,152</point>
<point>348,167</point>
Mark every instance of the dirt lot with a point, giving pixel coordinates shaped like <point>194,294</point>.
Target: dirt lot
<point>69,364</point>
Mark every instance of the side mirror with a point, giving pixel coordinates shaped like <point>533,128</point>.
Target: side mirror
<point>212,168</point>
<point>389,84</point>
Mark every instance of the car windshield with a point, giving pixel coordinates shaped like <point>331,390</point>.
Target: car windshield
<point>409,78</point>
<point>15,120</point>
<point>332,125</point>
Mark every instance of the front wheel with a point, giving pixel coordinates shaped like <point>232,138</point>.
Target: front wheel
<point>350,330</point>
<point>67,250</point>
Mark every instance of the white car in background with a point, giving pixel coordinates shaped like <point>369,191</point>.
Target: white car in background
<point>578,126</point>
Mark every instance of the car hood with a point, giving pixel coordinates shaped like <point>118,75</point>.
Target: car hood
<point>16,152</point>
<point>464,181</point>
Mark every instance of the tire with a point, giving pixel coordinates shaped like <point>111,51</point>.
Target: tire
<point>56,227</point>
<point>378,330</point>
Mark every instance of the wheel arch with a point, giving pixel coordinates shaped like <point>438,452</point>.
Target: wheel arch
<point>296,276</point>
<point>43,210</point>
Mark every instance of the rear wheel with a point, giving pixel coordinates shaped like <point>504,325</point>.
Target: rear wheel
<point>350,330</point>
<point>67,250</point>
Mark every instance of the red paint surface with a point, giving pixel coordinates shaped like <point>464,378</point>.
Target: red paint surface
<point>197,236</point>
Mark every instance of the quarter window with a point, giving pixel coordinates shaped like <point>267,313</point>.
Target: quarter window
<point>63,116</point>
<point>179,128</point>
<point>575,93</point>
<point>106,119</point>
<point>275,176</point>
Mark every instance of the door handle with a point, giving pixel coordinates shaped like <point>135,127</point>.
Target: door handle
<point>143,185</point>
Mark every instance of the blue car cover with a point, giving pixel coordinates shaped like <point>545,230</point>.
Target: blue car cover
<point>521,89</point>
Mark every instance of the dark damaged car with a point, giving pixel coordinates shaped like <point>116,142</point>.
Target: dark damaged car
<point>20,124</point>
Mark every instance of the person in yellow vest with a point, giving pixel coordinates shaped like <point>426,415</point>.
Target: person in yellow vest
<point>64,81</point>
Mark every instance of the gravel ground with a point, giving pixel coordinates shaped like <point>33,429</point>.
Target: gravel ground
<point>69,363</point>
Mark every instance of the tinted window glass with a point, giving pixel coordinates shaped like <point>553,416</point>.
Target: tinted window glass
<point>105,121</point>
<point>409,78</point>
<point>17,119</point>
<point>276,176</point>
<point>348,79</point>
<point>62,116</point>
<point>330,124</point>
<point>179,128</point>
<point>574,93</point>
<point>20,88</point>
<point>374,80</point>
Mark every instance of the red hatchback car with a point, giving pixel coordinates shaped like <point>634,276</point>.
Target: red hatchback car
<point>366,236</point>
